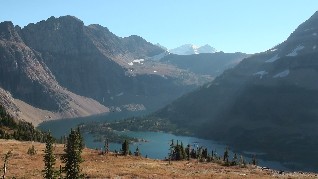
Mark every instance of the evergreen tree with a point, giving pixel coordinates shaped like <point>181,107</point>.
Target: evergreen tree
<point>72,157</point>
<point>183,152</point>
<point>137,152</point>
<point>177,150</point>
<point>125,147</point>
<point>187,151</point>
<point>171,149</point>
<point>234,162</point>
<point>254,162</point>
<point>226,156</point>
<point>49,159</point>
<point>205,153</point>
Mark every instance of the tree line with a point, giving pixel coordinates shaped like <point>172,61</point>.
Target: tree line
<point>18,130</point>
<point>178,152</point>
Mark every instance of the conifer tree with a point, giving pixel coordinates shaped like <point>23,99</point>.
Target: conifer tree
<point>125,147</point>
<point>72,157</point>
<point>226,156</point>
<point>171,151</point>
<point>254,162</point>
<point>234,162</point>
<point>183,152</point>
<point>177,150</point>
<point>187,151</point>
<point>137,152</point>
<point>49,159</point>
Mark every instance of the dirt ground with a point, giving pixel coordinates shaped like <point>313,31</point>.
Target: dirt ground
<point>22,165</point>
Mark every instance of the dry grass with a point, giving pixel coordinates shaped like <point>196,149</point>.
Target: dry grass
<point>22,165</point>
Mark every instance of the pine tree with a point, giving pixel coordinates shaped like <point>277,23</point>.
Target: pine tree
<point>125,147</point>
<point>187,151</point>
<point>183,152</point>
<point>171,151</point>
<point>226,156</point>
<point>254,162</point>
<point>49,159</point>
<point>234,162</point>
<point>72,157</point>
<point>137,152</point>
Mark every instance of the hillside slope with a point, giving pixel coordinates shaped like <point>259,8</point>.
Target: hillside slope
<point>22,165</point>
<point>267,103</point>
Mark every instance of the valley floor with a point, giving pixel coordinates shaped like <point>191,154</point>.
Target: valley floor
<point>22,165</point>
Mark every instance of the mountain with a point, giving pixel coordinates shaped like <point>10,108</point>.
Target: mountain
<point>189,49</point>
<point>267,103</point>
<point>211,64</point>
<point>60,68</point>
<point>24,76</point>
<point>92,61</point>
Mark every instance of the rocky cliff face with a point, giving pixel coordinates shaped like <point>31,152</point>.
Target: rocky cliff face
<point>24,74</point>
<point>267,103</point>
<point>93,62</point>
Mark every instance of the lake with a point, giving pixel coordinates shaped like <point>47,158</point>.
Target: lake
<point>157,145</point>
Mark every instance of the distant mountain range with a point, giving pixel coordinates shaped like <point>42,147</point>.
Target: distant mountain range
<point>189,49</point>
<point>61,68</point>
<point>267,103</point>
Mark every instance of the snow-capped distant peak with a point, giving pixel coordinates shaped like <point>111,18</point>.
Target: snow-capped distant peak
<point>206,49</point>
<point>189,49</point>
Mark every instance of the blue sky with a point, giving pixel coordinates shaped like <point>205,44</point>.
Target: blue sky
<point>249,26</point>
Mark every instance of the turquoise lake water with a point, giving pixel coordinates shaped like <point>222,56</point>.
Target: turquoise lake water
<point>157,145</point>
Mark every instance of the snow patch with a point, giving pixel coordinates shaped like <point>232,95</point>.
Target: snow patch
<point>282,74</point>
<point>131,63</point>
<point>261,74</point>
<point>155,71</point>
<point>274,58</point>
<point>120,94</point>
<point>308,29</point>
<point>295,51</point>
<point>138,61</point>
<point>273,50</point>
<point>314,34</point>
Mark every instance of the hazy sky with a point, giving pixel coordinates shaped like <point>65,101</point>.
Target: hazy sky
<point>229,25</point>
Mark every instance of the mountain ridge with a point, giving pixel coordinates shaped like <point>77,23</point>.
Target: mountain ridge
<point>190,49</point>
<point>266,103</point>
<point>60,68</point>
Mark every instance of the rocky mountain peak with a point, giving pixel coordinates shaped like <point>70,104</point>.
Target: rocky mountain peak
<point>189,49</point>
<point>56,35</point>
<point>8,32</point>
<point>135,43</point>
<point>303,40</point>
